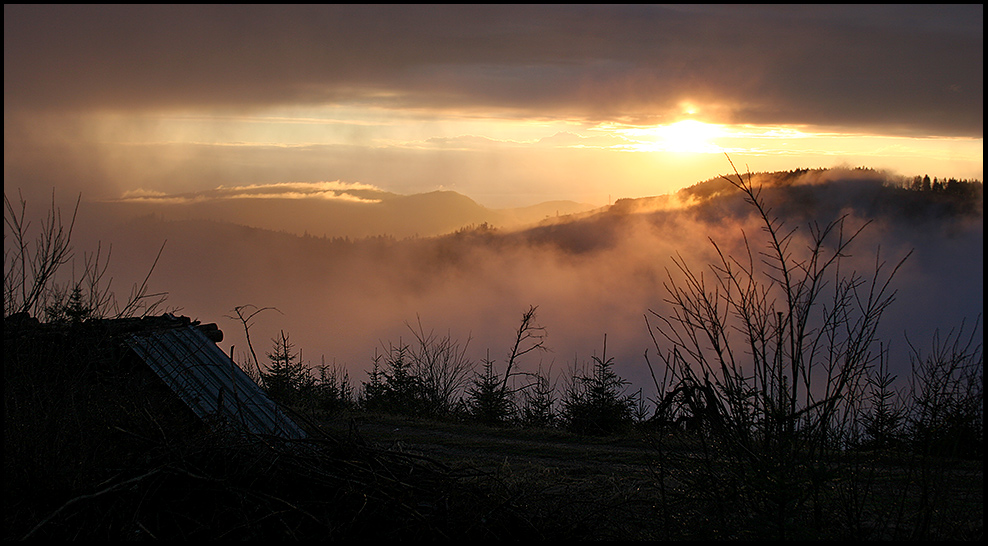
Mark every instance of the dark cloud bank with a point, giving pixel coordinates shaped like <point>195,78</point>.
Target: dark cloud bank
<point>591,275</point>
<point>905,69</point>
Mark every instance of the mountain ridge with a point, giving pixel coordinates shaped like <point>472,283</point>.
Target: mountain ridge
<point>376,214</point>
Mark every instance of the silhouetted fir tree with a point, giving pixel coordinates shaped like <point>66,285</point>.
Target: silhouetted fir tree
<point>287,380</point>
<point>373,392</point>
<point>73,311</point>
<point>332,390</point>
<point>883,422</point>
<point>488,400</point>
<point>540,399</point>
<point>394,387</point>
<point>595,403</point>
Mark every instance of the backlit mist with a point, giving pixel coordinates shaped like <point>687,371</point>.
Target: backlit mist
<point>591,273</point>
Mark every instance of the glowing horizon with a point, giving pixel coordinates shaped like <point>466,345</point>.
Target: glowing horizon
<point>692,149</point>
<point>510,105</point>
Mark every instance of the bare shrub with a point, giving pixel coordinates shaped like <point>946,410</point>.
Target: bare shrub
<point>442,368</point>
<point>763,354</point>
<point>491,400</point>
<point>946,394</point>
<point>34,258</point>
<point>29,266</point>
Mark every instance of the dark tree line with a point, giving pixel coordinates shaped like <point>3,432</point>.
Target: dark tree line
<point>433,378</point>
<point>947,186</point>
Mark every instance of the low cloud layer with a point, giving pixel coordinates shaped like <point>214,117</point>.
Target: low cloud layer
<point>331,191</point>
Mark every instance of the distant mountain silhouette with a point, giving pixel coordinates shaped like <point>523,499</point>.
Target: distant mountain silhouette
<point>808,193</point>
<point>380,214</point>
<point>797,197</point>
<point>800,195</point>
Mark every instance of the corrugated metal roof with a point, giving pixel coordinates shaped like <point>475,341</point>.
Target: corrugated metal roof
<point>209,382</point>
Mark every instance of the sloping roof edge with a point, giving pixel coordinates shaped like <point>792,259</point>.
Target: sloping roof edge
<point>210,382</point>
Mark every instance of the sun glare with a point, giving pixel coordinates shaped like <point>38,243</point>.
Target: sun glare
<point>687,136</point>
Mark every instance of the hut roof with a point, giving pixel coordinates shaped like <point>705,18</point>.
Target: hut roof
<point>183,353</point>
<point>208,380</point>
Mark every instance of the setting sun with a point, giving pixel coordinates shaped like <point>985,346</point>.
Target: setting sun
<point>687,136</point>
<point>690,136</point>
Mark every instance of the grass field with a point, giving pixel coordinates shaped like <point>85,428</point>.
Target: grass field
<point>633,487</point>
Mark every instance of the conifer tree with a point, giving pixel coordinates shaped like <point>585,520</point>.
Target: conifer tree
<point>488,399</point>
<point>596,403</point>
<point>287,380</point>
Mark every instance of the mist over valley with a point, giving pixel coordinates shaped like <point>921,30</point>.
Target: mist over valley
<point>346,278</point>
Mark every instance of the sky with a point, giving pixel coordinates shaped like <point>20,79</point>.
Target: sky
<point>509,105</point>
